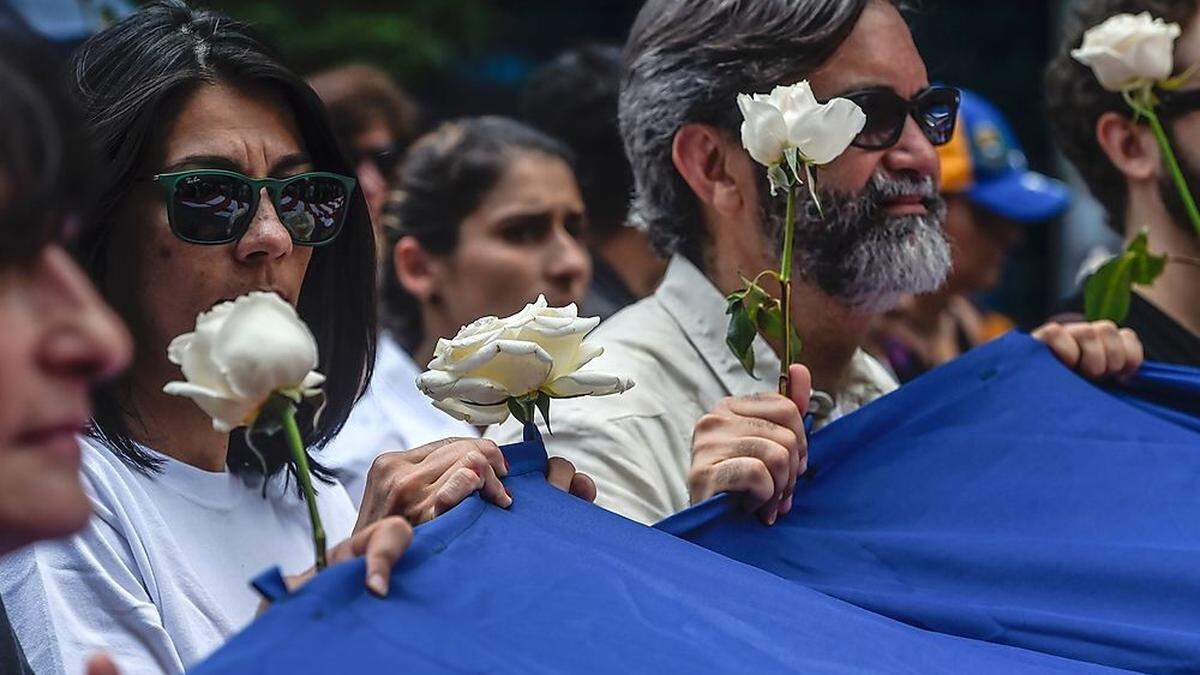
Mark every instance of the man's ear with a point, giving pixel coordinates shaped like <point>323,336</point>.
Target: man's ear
<point>1130,147</point>
<point>715,167</point>
<point>416,269</point>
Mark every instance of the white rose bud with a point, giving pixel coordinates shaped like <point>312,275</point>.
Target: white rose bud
<point>539,349</point>
<point>791,117</point>
<point>241,353</point>
<point>1129,51</point>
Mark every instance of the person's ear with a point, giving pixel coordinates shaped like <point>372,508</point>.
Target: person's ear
<point>715,167</point>
<point>1130,147</point>
<point>419,272</point>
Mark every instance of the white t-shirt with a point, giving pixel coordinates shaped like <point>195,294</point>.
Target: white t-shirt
<point>159,578</point>
<point>392,415</point>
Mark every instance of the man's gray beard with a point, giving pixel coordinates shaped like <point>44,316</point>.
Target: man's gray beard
<point>859,255</point>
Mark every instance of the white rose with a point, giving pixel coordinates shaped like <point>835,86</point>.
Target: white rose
<point>539,349</point>
<point>242,352</point>
<point>791,117</point>
<point>1128,51</point>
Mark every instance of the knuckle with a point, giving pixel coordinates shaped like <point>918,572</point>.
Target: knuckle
<point>709,422</point>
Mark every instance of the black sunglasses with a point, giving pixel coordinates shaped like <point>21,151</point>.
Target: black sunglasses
<point>213,206</point>
<point>385,158</point>
<point>935,110</point>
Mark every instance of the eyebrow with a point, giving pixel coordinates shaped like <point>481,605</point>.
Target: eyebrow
<point>285,164</point>
<point>873,87</point>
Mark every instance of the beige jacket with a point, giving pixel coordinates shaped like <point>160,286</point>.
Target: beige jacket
<point>638,446</point>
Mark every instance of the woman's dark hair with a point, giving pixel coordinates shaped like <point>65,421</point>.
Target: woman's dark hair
<point>1075,100</point>
<point>445,176</point>
<point>131,79</point>
<point>574,98</point>
<point>44,159</point>
<point>685,62</point>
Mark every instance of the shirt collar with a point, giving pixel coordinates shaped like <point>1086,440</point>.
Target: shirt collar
<point>698,308</point>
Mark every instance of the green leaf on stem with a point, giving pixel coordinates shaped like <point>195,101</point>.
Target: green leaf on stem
<point>740,336</point>
<point>518,410</point>
<point>792,155</point>
<point>770,324</point>
<point>778,178</point>
<point>1108,291</point>
<point>543,404</point>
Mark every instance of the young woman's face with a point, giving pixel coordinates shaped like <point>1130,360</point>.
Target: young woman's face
<point>522,241</point>
<point>59,339</point>
<point>161,282</point>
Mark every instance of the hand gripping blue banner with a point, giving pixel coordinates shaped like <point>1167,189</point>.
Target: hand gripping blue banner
<point>556,585</point>
<point>1002,498</point>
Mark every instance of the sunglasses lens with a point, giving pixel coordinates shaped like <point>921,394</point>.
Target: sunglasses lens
<point>885,117</point>
<point>210,208</point>
<point>938,113</point>
<point>313,208</point>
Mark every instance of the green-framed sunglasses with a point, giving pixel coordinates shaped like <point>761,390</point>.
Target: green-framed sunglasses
<point>213,206</point>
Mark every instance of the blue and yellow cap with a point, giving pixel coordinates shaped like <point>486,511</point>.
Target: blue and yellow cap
<point>984,162</point>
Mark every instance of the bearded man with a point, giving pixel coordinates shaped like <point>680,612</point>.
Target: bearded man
<point>697,423</point>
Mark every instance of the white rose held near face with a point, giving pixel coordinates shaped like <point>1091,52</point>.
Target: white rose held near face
<point>791,117</point>
<point>241,353</point>
<point>492,360</point>
<point>1129,51</point>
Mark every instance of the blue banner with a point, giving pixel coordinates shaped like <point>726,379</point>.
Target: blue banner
<point>556,585</point>
<point>1003,498</point>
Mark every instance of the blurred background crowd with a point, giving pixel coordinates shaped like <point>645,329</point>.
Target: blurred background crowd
<point>391,71</point>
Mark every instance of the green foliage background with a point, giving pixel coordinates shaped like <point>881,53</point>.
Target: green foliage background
<point>413,39</point>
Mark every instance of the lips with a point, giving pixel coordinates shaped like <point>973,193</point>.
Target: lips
<point>58,440</point>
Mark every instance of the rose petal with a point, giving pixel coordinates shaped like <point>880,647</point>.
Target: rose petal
<point>473,414</point>
<point>263,346</point>
<point>828,130</point>
<point>588,384</point>
<point>519,367</point>
<point>226,413</point>
<point>438,385</point>
<point>764,134</point>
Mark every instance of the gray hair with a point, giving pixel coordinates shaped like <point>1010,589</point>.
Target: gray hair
<point>685,62</point>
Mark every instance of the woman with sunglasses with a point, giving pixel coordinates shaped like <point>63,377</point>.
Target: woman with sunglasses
<point>220,175</point>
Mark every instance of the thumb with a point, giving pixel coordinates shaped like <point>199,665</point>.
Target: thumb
<point>799,386</point>
<point>100,664</point>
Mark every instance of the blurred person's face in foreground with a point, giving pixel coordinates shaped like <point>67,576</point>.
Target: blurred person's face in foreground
<point>59,339</point>
<point>164,281</point>
<point>881,233</point>
<point>980,242</point>
<point>522,241</point>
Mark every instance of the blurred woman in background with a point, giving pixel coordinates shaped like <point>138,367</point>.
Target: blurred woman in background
<point>375,121</point>
<point>489,216</point>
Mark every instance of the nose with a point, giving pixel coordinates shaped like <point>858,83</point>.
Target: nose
<point>913,153</point>
<point>568,265</point>
<point>266,238</point>
<point>84,338</point>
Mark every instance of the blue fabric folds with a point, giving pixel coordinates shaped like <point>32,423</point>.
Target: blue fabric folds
<point>556,585</point>
<point>1005,499</point>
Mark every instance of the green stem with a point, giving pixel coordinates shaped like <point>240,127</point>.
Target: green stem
<point>305,476</point>
<point>1173,164</point>
<point>785,282</point>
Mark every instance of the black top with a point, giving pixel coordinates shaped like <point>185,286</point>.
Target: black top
<point>1163,339</point>
<point>12,659</point>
